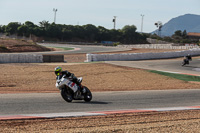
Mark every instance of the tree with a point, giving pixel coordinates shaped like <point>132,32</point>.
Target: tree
<point>44,24</point>
<point>180,37</point>
<point>178,33</point>
<point>167,39</point>
<point>23,30</point>
<point>1,29</point>
<point>103,34</point>
<point>38,31</point>
<point>129,29</point>
<point>12,27</point>
<point>54,31</point>
<point>184,34</point>
<point>29,24</point>
<point>90,32</point>
<point>115,35</point>
<point>30,29</point>
<point>85,33</point>
<point>129,33</point>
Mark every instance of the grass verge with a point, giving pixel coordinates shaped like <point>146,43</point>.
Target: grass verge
<point>64,48</point>
<point>183,77</point>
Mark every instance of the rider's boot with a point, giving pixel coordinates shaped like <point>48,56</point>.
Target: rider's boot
<point>82,89</point>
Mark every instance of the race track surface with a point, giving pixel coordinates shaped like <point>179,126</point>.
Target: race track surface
<point>80,49</point>
<point>163,65</point>
<point>37,103</point>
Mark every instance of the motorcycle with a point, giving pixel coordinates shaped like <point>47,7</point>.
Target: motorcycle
<point>70,90</point>
<point>185,61</point>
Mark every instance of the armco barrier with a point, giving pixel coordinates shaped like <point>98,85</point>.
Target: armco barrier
<point>30,58</point>
<point>20,58</point>
<point>141,56</point>
<point>158,46</point>
<point>53,58</point>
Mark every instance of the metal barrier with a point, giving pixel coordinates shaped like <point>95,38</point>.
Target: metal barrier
<point>30,58</point>
<point>140,56</point>
<point>53,58</point>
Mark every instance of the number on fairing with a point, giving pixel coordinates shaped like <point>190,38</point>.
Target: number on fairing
<point>71,84</point>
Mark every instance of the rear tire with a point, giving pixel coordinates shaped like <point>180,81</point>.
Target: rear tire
<point>87,95</point>
<point>66,95</point>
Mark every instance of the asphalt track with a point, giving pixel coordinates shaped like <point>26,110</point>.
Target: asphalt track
<point>174,65</point>
<point>40,103</point>
<point>79,49</point>
<point>37,103</point>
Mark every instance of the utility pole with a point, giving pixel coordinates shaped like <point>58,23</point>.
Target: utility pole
<point>114,21</point>
<point>55,10</point>
<point>142,22</point>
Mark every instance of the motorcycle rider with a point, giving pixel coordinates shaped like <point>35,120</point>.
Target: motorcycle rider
<point>188,57</point>
<point>60,73</point>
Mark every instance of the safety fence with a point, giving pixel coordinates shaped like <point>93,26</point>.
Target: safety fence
<point>141,56</point>
<point>30,58</point>
<point>159,46</point>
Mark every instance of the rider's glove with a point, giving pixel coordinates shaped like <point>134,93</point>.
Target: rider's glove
<point>72,75</point>
<point>64,76</point>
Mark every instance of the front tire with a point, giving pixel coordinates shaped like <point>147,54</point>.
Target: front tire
<point>87,95</point>
<point>66,95</point>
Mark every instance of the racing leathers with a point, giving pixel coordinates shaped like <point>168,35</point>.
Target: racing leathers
<point>71,77</point>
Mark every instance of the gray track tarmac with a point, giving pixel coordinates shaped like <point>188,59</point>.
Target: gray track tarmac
<point>82,49</point>
<point>36,103</point>
<point>163,65</point>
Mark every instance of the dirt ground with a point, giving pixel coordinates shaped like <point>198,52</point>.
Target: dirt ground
<point>17,45</point>
<point>20,78</point>
<point>149,122</point>
<point>40,77</point>
<point>28,78</point>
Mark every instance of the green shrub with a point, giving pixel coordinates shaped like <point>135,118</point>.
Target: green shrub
<point>3,48</point>
<point>116,43</point>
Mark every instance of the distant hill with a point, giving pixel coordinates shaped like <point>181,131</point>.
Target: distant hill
<point>188,22</point>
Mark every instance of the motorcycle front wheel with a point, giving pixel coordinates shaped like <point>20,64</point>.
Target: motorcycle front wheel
<point>66,95</point>
<point>183,63</point>
<point>87,95</point>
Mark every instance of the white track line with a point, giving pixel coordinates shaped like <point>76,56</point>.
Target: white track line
<point>95,113</point>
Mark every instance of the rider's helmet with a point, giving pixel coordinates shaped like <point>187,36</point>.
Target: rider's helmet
<point>58,70</point>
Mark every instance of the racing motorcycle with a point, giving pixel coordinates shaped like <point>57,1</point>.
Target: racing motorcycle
<point>70,90</point>
<point>185,61</point>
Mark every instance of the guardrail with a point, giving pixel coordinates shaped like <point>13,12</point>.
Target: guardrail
<point>20,58</point>
<point>140,56</point>
<point>30,58</point>
<point>157,46</point>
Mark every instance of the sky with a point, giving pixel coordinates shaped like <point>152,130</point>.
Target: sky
<point>97,12</point>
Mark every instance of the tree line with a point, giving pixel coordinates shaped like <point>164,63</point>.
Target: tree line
<point>75,33</point>
<point>179,37</point>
